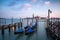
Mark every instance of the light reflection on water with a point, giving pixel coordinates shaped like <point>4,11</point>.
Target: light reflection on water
<point>40,34</point>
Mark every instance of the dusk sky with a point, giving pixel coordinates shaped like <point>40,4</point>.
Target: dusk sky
<point>25,8</point>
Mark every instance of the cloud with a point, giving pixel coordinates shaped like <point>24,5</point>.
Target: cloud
<point>47,3</point>
<point>27,6</point>
<point>55,15</point>
<point>19,7</point>
<point>33,1</point>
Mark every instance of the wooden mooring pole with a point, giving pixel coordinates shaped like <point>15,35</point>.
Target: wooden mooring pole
<point>12,20</point>
<point>5,20</point>
<point>9,27</point>
<point>19,24</point>
<point>59,29</point>
<point>3,29</point>
<point>15,27</point>
<point>27,22</point>
<point>32,21</point>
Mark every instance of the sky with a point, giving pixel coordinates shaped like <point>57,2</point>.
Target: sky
<point>25,8</point>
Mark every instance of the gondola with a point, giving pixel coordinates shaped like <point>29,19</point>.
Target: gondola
<point>34,26</point>
<point>18,31</point>
<point>29,30</point>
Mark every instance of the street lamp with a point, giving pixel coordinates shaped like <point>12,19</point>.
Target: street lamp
<point>49,11</point>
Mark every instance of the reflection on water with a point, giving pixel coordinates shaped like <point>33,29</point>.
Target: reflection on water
<point>18,36</point>
<point>40,34</point>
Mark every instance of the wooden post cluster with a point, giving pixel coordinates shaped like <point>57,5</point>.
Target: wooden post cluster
<point>13,26</point>
<point>54,28</point>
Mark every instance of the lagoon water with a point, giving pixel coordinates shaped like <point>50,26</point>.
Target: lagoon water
<point>40,34</point>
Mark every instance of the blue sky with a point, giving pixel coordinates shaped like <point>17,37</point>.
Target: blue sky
<point>25,8</point>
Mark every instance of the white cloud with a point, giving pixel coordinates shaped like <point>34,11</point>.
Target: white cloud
<point>47,3</point>
<point>27,5</point>
<point>25,11</point>
<point>22,6</point>
<point>33,1</point>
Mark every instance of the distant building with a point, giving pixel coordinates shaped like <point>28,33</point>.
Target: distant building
<point>37,17</point>
<point>43,18</point>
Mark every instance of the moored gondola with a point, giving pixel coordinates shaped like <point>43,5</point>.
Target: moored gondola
<point>29,29</point>
<point>19,31</point>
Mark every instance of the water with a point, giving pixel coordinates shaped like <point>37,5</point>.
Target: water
<point>40,34</point>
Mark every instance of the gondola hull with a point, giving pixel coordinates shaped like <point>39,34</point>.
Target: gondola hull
<point>29,31</point>
<point>18,31</point>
